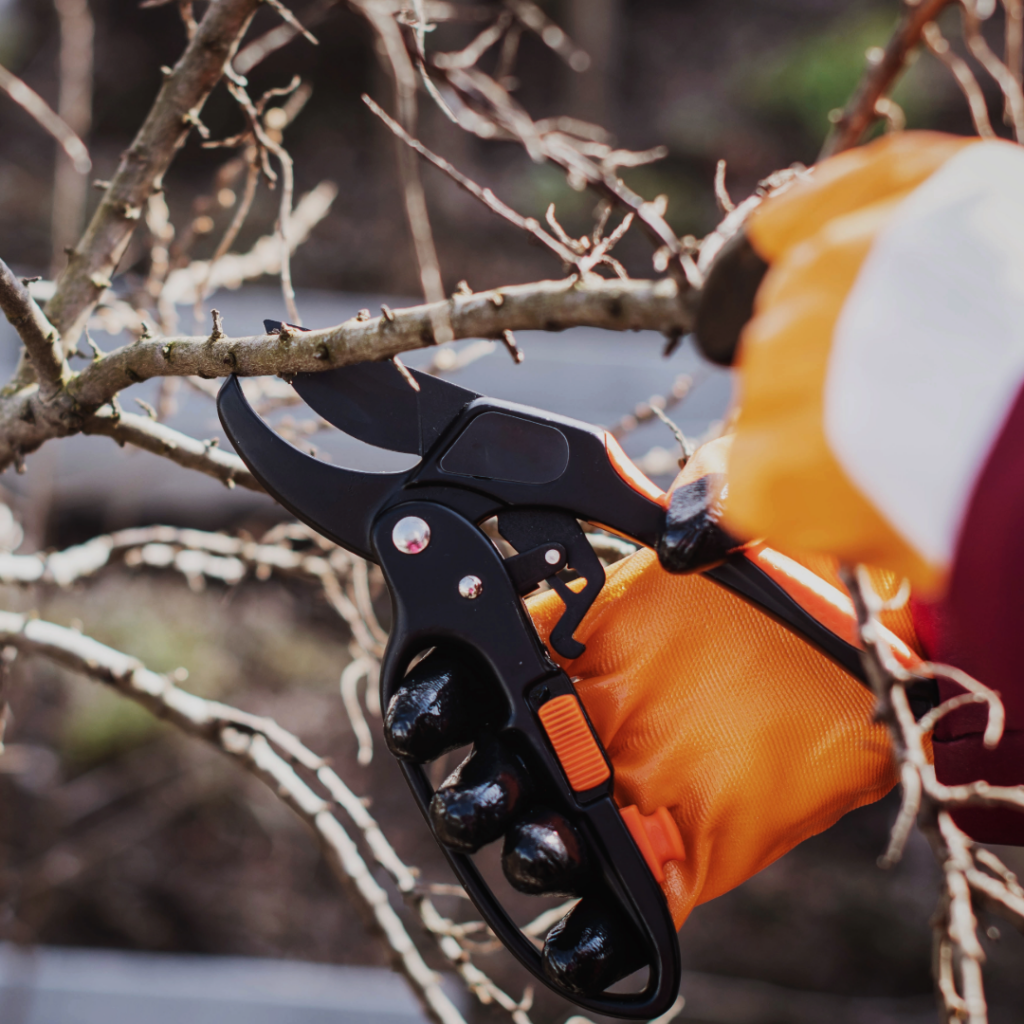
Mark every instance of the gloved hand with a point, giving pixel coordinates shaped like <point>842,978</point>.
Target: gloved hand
<point>750,738</point>
<point>881,402</point>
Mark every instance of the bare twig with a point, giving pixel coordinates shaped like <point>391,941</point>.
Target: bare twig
<point>176,109</point>
<point>1014,42</point>
<point>187,283</point>
<point>587,163</point>
<point>1006,80</point>
<point>485,195</point>
<point>883,69</point>
<point>42,343</point>
<point>250,741</point>
<point>252,178</point>
<point>405,79</point>
<point>649,410</point>
<point>533,18</point>
<point>725,203</point>
<point>290,19</point>
<point>961,71</point>
<point>957,950</point>
<point>40,110</point>
<point>152,436</point>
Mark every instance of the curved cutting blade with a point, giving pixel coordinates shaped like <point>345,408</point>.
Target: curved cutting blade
<point>375,403</point>
<point>339,503</point>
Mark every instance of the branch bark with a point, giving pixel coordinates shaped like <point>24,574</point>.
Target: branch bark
<point>152,436</point>
<point>26,422</point>
<point>41,340</point>
<point>176,109</point>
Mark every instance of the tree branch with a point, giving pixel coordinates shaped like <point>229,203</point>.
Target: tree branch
<point>39,109</point>
<point>544,305</point>
<point>175,110</point>
<point>929,802</point>
<point>247,739</point>
<point>861,110</point>
<point>153,436</point>
<point>41,340</point>
<point>26,422</point>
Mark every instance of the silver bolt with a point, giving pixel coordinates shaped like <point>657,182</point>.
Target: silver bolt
<point>471,587</point>
<point>552,557</point>
<point>411,535</point>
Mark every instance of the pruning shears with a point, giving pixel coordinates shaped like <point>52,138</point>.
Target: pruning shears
<point>540,474</point>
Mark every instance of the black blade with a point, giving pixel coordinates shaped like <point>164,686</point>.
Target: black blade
<point>339,503</point>
<point>374,403</point>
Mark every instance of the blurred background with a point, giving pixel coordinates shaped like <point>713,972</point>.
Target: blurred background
<point>116,833</point>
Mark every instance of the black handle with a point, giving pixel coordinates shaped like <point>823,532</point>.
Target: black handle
<point>424,577</point>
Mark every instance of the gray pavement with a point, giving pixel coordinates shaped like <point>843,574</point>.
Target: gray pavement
<point>85,986</point>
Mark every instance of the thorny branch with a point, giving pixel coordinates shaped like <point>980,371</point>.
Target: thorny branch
<point>175,111</point>
<point>26,421</point>
<point>42,343</point>
<point>971,873</point>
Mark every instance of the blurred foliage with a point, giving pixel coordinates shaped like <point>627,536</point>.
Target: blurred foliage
<point>806,79</point>
<point>272,635</point>
<point>100,726</point>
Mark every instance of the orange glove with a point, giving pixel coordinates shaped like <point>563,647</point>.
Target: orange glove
<point>751,738</point>
<point>748,737</point>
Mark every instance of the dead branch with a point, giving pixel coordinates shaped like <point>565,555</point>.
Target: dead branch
<point>37,108</point>
<point>961,71</point>
<point>861,111</point>
<point>485,195</point>
<point>969,872</point>
<point>176,109</point>
<point>250,741</point>
<point>159,439</point>
<point>1013,95</point>
<point>26,422</point>
<point>41,341</point>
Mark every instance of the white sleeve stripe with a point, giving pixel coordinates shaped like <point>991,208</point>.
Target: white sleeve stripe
<point>928,352</point>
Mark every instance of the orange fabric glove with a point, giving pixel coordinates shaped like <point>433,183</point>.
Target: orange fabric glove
<point>751,738</point>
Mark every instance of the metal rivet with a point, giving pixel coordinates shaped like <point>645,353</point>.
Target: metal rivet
<point>552,557</point>
<point>471,587</point>
<point>411,535</point>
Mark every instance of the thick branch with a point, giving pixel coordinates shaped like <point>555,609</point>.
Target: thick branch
<point>40,339</point>
<point>175,110</point>
<point>26,422</point>
<point>861,110</point>
<point>545,305</point>
<point>155,437</point>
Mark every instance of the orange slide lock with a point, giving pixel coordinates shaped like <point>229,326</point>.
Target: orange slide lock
<point>575,747</point>
<point>657,836</point>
